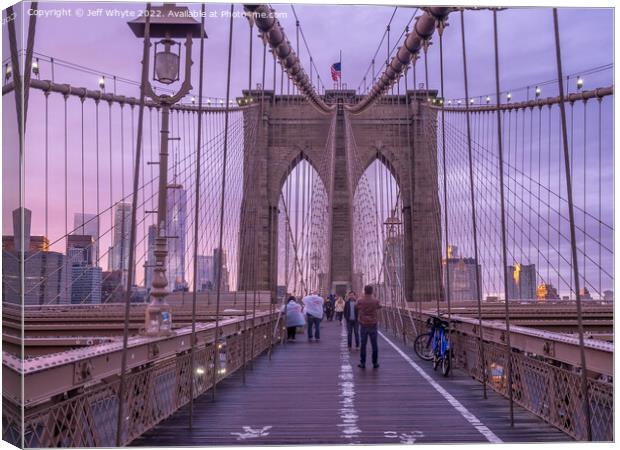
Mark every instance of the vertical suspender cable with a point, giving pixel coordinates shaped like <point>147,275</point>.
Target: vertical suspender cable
<point>571,216</point>
<point>47,95</point>
<point>409,295</point>
<point>222,199</point>
<point>503,220</point>
<point>132,236</point>
<point>600,192</point>
<point>473,210</point>
<point>585,202</point>
<point>66,153</point>
<point>425,46</point>
<point>20,127</point>
<point>440,29</point>
<point>192,351</point>
<point>245,295</point>
<point>271,243</point>
<point>82,157</point>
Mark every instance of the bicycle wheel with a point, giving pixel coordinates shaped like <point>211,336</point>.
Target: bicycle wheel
<point>445,364</point>
<point>422,347</point>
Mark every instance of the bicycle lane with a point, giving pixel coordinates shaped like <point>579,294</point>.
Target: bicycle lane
<point>400,403</point>
<point>405,401</point>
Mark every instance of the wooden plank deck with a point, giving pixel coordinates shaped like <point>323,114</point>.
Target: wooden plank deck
<point>314,393</point>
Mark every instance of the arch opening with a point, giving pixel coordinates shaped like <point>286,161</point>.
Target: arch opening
<point>303,235</point>
<point>378,228</point>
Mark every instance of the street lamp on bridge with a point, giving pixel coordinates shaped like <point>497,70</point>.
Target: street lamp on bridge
<point>166,22</point>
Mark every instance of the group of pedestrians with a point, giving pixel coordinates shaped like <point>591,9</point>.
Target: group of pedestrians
<point>360,317</point>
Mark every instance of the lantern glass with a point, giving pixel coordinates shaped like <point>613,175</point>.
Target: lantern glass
<point>167,62</point>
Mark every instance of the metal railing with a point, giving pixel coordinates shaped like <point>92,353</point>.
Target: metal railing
<point>156,386</point>
<point>546,381</point>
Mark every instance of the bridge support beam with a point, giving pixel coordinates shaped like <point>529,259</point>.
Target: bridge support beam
<point>341,263</point>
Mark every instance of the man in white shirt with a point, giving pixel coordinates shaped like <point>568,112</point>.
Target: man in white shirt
<point>313,307</point>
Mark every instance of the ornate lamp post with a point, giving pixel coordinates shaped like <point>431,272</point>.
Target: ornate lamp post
<point>166,22</point>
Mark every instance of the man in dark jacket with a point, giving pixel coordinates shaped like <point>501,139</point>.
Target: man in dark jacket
<point>367,308</point>
<point>350,315</point>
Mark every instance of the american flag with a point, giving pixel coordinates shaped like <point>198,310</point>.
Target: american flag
<point>336,74</point>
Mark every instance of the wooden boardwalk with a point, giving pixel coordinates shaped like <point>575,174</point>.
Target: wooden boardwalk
<point>314,393</point>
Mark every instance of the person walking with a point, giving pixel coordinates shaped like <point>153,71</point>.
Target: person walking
<point>339,309</point>
<point>367,308</point>
<point>329,308</point>
<point>294,318</point>
<point>313,307</point>
<point>350,317</point>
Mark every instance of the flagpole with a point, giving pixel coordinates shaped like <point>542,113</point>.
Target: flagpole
<point>340,79</point>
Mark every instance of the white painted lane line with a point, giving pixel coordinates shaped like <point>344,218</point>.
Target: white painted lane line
<point>473,420</point>
<point>348,415</point>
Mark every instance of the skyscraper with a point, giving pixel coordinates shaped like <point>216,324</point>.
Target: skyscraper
<point>546,291</point>
<point>205,273</point>
<point>462,272</point>
<point>80,250</point>
<point>46,273</point>
<point>85,284</point>
<point>119,252</point>
<point>85,277</point>
<point>112,287</point>
<point>175,227</point>
<point>522,282</point>
<point>219,259</point>
<point>88,225</point>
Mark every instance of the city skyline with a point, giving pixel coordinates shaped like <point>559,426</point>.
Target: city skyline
<point>126,48</point>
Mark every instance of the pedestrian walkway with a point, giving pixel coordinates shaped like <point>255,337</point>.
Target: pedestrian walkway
<point>314,393</point>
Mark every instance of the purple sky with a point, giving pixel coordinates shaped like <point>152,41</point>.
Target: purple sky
<point>106,45</point>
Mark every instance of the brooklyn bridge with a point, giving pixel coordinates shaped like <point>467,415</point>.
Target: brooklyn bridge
<point>172,175</point>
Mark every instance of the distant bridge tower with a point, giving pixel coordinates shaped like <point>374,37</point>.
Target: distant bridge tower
<point>292,130</point>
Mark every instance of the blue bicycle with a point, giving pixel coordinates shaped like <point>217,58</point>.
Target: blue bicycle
<point>435,345</point>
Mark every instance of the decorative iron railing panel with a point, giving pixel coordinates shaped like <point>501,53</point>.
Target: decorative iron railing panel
<point>154,391</point>
<point>547,387</point>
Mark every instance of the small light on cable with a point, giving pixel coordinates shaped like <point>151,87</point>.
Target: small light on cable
<point>537,92</point>
<point>35,67</point>
<point>509,96</point>
<point>579,82</point>
<point>471,101</point>
<point>488,99</point>
<point>102,83</point>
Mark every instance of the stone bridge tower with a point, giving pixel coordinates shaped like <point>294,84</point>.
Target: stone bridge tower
<point>401,133</point>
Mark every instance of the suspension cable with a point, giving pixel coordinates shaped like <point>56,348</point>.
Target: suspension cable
<point>132,235</point>
<point>571,215</point>
<point>473,210</point>
<point>222,200</point>
<point>503,222</point>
